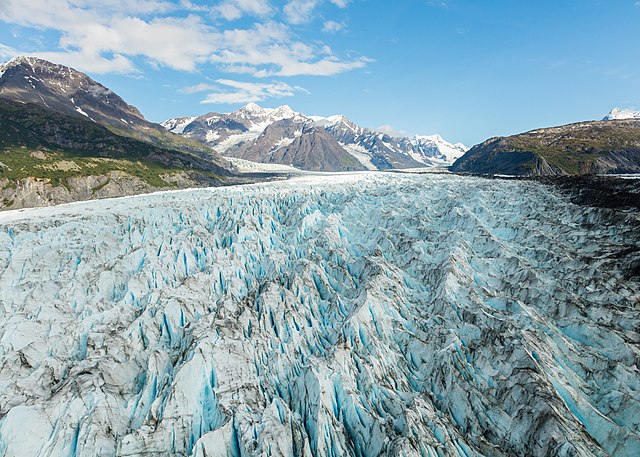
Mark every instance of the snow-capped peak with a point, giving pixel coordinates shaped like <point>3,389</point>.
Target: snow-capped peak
<point>257,113</point>
<point>37,65</point>
<point>437,138</point>
<point>335,120</point>
<point>15,61</point>
<point>448,152</point>
<point>620,113</point>
<point>177,125</point>
<point>282,112</point>
<point>252,108</point>
<point>247,124</point>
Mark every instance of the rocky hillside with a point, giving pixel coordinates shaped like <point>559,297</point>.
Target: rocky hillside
<point>48,157</point>
<point>67,91</point>
<point>272,136</point>
<point>599,147</point>
<point>60,141</point>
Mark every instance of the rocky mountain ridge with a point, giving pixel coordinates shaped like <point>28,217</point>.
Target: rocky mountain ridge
<point>64,90</point>
<point>246,134</point>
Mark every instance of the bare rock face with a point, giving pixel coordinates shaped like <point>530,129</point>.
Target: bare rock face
<point>33,192</point>
<point>299,144</point>
<point>65,90</point>
<point>316,150</point>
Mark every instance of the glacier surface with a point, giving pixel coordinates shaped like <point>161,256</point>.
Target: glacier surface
<point>358,314</point>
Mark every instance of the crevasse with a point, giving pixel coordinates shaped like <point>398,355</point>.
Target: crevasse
<point>362,314</point>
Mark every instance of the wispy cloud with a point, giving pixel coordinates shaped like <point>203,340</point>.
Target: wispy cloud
<point>6,52</point>
<point>390,130</point>
<point>269,50</point>
<point>300,11</point>
<point>235,9</point>
<point>232,92</point>
<point>202,87</point>
<point>332,26</point>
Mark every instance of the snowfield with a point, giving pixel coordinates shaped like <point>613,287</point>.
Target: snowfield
<point>356,314</point>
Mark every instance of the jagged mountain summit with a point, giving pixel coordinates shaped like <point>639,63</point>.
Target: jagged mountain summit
<point>299,144</point>
<point>251,133</point>
<point>222,131</point>
<point>619,113</point>
<point>63,89</point>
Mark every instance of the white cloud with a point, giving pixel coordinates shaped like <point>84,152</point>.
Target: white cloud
<point>246,92</point>
<point>323,67</point>
<point>202,87</point>
<point>108,37</point>
<point>271,51</point>
<point>300,11</point>
<point>129,6</point>
<point>235,9</point>
<point>95,62</point>
<point>7,52</point>
<point>332,26</point>
<point>87,35</point>
<point>389,130</point>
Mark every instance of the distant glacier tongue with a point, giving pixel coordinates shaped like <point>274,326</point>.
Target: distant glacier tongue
<point>365,314</point>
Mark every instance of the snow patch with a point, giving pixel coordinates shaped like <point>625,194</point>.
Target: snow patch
<point>360,154</point>
<point>619,113</point>
<point>245,166</point>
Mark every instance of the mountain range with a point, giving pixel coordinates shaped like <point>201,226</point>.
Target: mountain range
<point>66,137</point>
<point>316,143</point>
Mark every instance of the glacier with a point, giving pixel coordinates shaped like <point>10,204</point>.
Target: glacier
<point>355,314</point>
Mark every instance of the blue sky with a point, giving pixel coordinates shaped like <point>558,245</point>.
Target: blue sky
<point>466,69</point>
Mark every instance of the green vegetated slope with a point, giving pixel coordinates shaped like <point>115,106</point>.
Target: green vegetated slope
<point>598,147</point>
<point>36,142</point>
